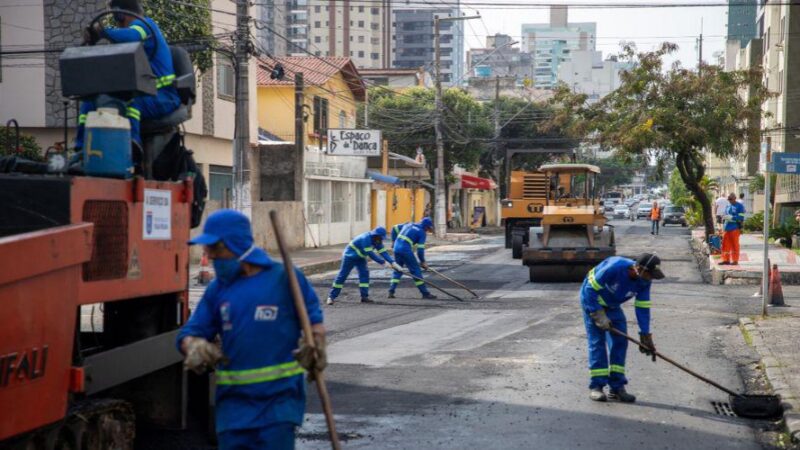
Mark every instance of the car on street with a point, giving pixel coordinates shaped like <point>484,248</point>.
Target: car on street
<point>643,212</point>
<point>620,212</point>
<point>674,215</point>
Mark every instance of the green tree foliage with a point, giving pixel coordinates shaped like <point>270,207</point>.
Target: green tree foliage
<point>28,147</point>
<point>185,24</point>
<point>615,171</point>
<point>673,114</point>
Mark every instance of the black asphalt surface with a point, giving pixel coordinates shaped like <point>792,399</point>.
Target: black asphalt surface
<point>509,370</point>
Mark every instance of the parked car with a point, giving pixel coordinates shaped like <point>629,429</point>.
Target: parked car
<point>674,215</point>
<point>644,211</point>
<point>620,212</point>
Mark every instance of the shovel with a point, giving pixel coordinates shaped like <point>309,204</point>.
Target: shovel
<point>749,406</point>
<point>405,272</point>
<point>453,281</point>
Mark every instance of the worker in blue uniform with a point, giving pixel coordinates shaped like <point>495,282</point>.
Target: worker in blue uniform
<point>132,29</point>
<point>396,230</point>
<point>369,244</point>
<point>412,237</point>
<point>607,286</point>
<point>260,393</point>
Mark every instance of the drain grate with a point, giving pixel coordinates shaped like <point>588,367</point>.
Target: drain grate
<point>723,409</point>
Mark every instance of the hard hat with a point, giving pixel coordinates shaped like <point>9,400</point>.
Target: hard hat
<point>234,230</point>
<point>378,232</point>
<point>426,223</point>
<point>127,5</point>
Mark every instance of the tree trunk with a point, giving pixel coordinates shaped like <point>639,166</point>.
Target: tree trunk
<point>692,170</point>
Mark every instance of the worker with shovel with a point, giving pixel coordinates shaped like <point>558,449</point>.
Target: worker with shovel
<point>412,237</point>
<point>607,286</point>
<point>260,393</point>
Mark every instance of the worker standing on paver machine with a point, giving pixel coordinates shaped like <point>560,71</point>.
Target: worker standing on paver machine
<point>607,286</point>
<point>412,237</point>
<point>260,392</point>
<point>369,244</point>
<point>732,228</point>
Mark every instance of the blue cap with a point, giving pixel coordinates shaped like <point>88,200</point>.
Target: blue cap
<point>232,228</point>
<point>426,223</point>
<point>378,232</point>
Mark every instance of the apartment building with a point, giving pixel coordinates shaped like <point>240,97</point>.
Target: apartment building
<point>413,41</point>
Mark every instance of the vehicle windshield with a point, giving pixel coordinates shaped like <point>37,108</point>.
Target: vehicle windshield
<point>646,207</point>
<point>674,209</point>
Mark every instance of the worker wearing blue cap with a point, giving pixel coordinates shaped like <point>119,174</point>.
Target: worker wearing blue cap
<point>369,244</point>
<point>412,237</point>
<point>260,394</point>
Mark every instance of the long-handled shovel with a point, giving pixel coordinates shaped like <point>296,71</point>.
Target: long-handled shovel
<point>302,315</point>
<point>428,282</point>
<point>453,281</point>
<point>750,406</point>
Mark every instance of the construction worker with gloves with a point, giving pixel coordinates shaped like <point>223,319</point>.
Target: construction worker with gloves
<point>607,286</point>
<point>131,29</point>
<point>412,237</point>
<point>260,392</point>
<point>369,244</point>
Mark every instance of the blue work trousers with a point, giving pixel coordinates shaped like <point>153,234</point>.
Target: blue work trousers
<point>654,226</point>
<point>277,436</point>
<point>347,266</point>
<point>605,346</point>
<point>409,261</point>
<point>147,107</point>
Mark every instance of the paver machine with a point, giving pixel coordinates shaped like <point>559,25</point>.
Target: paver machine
<point>94,277</point>
<point>573,236</point>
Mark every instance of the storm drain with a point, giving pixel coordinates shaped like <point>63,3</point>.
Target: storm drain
<point>723,409</point>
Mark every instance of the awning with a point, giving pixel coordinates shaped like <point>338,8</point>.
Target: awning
<point>473,182</point>
<point>388,179</point>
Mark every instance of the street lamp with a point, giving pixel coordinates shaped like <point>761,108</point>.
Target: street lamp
<point>440,216</point>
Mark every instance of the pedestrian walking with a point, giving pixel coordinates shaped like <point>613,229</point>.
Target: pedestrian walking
<point>412,237</point>
<point>720,205</point>
<point>732,228</point>
<point>369,244</point>
<point>607,286</point>
<point>260,392</point>
<point>655,216</point>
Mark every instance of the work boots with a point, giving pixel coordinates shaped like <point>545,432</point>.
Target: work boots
<point>391,294</point>
<point>621,395</point>
<point>429,297</point>
<point>366,300</point>
<point>597,394</point>
<point>329,301</point>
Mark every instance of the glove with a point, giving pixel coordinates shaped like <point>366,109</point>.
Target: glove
<point>647,347</point>
<point>312,359</point>
<point>424,265</point>
<point>397,267</point>
<point>92,34</point>
<point>727,217</point>
<point>201,355</point>
<point>600,319</point>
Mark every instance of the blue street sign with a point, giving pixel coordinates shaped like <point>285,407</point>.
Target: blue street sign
<point>785,163</point>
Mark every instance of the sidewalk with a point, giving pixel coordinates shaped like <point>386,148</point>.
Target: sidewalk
<point>776,339</point>
<point>751,262</point>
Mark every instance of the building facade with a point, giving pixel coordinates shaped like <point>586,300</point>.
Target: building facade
<point>586,72</point>
<point>500,58</point>
<point>412,44</point>
<point>742,21</point>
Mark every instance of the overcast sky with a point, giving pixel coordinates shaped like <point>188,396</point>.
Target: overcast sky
<point>646,26</point>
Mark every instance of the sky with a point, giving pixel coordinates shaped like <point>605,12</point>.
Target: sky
<point>648,27</point>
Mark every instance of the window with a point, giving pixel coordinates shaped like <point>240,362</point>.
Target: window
<point>317,8</point>
<point>317,24</point>
<point>361,39</point>
<point>375,41</point>
<point>225,78</point>
<point>320,115</point>
<point>374,11</point>
<point>360,24</point>
<point>362,205</point>
<point>342,119</point>
<point>374,56</point>
<point>317,39</point>
<point>361,9</point>
<point>220,183</point>
<point>340,211</point>
<point>316,201</point>
<point>361,54</point>
<point>373,26</point>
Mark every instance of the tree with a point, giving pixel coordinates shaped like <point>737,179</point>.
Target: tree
<point>183,23</point>
<point>28,147</point>
<point>615,171</point>
<point>672,114</point>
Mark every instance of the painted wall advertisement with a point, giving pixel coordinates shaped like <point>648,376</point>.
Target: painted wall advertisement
<point>157,215</point>
<point>347,142</point>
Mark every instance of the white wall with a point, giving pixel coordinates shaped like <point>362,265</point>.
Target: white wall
<point>22,90</point>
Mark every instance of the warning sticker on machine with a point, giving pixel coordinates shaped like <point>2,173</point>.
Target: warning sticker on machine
<point>157,214</point>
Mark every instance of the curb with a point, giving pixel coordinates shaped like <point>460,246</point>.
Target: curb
<point>774,373</point>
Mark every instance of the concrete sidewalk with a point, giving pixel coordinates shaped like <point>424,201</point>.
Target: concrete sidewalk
<point>751,262</point>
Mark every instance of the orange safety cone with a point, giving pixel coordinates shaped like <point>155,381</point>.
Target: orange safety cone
<point>204,276</point>
<point>775,288</point>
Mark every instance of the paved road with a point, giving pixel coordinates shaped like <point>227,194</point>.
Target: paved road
<point>509,370</point>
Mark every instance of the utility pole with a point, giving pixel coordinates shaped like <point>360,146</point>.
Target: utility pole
<point>497,130</point>
<point>700,50</point>
<point>440,203</point>
<point>366,108</point>
<point>241,138</point>
<point>299,145</point>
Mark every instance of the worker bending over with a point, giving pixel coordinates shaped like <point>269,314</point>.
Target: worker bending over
<point>607,286</point>
<point>396,230</point>
<point>412,237</point>
<point>260,392</point>
<point>369,244</point>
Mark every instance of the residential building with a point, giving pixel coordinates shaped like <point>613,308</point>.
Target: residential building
<point>500,58</point>
<point>413,41</point>
<point>552,43</point>
<point>274,20</point>
<point>396,78</point>
<point>357,30</point>
<point>779,27</point>
<point>30,86</point>
<point>334,190</point>
<point>742,21</point>
<point>586,72</point>
<point>486,89</point>
<point>297,27</point>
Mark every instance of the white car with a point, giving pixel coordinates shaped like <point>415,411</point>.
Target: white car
<point>621,212</point>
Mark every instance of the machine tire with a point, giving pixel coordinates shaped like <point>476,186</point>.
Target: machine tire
<point>508,236</point>
<point>517,241</point>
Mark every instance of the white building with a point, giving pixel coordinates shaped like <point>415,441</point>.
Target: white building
<point>586,72</point>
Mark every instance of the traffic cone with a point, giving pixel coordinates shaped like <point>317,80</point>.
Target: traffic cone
<point>775,288</point>
<point>204,276</point>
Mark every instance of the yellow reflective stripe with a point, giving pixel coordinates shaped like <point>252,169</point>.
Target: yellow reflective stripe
<point>599,372</point>
<point>394,281</point>
<point>260,375</point>
<point>140,30</point>
<point>355,249</point>
<point>601,301</point>
<point>593,281</point>
<point>383,250</point>
<point>406,238</point>
<point>420,245</point>
<point>642,303</point>
<point>363,284</point>
<point>82,119</point>
<point>164,81</point>
<point>133,113</point>
<point>338,286</point>
<point>369,249</point>
<point>616,368</point>
<point>418,282</point>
